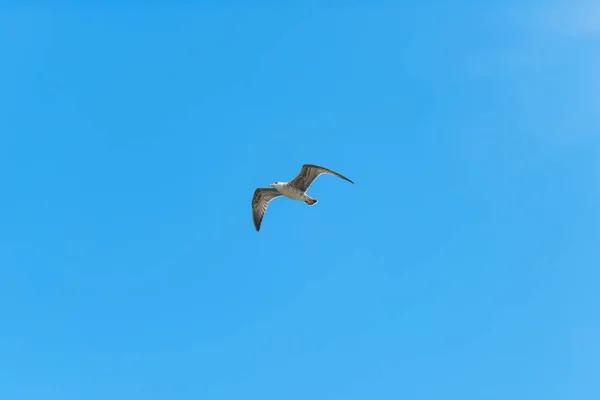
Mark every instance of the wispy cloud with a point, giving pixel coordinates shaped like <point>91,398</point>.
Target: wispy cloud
<point>545,75</point>
<point>570,18</point>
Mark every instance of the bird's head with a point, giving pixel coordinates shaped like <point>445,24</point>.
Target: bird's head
<point>275,184</point>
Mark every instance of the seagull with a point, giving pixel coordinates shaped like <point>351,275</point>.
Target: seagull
<point>295,190</point>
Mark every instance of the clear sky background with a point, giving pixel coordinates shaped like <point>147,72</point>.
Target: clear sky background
<point>463,264</point>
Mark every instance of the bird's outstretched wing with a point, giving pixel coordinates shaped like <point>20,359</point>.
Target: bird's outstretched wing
<point>260,201</point>
<point>309,173</point>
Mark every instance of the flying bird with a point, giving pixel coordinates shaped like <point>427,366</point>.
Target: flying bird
<point>295,190</point>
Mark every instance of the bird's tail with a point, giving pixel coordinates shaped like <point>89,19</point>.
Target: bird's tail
<point>310,201</point>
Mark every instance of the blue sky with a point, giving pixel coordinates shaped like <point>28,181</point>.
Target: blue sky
<point>463,264</point>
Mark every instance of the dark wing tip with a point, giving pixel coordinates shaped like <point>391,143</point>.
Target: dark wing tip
<point>343,177</point>
<point>256,223</point>
<point>254,203</point>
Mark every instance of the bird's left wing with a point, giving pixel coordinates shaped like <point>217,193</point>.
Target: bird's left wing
<point>260,201</point>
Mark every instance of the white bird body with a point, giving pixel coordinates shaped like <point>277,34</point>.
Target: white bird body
<point>289,191</point>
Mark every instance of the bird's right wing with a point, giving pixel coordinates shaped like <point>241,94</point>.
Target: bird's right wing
<point>309,173</point>
<point>260,201</point>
